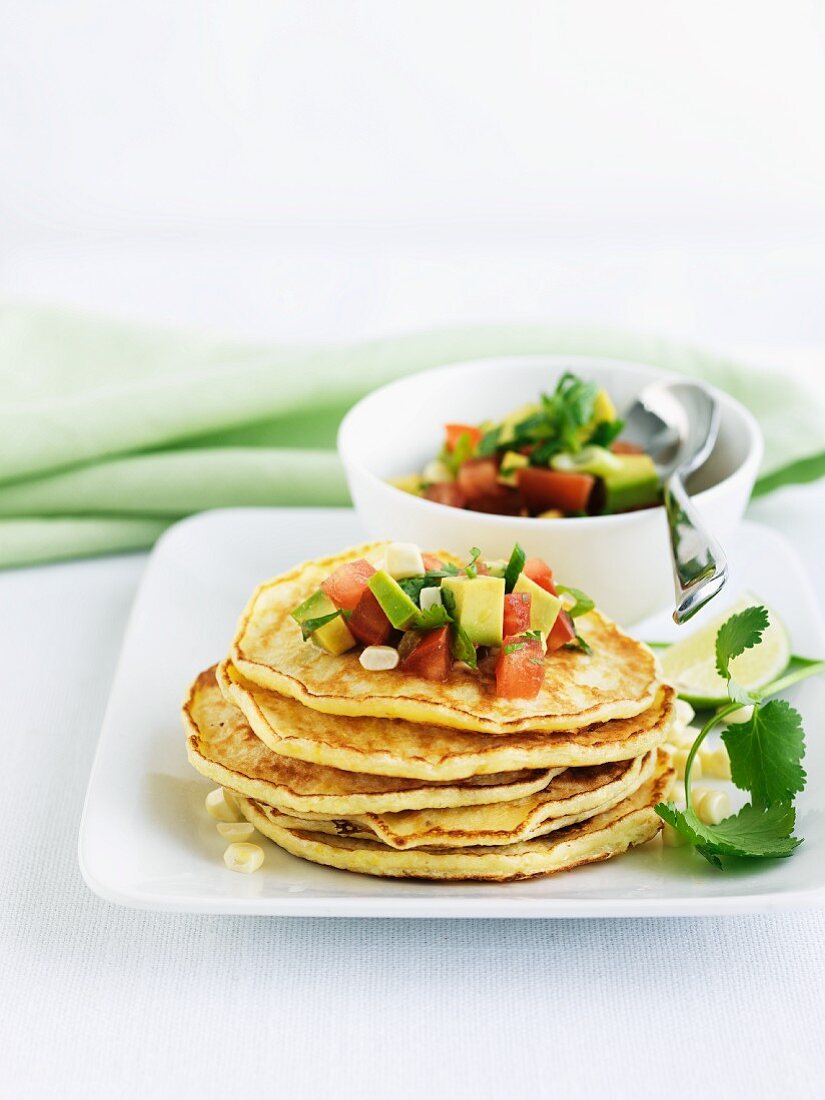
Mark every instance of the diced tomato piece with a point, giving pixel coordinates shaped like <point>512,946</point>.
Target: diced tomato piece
<point>546,489</point>
<point>541,574</point>
<point>368,623</point>
<point>517,612</point>
<point>563,632</point>
<point>520,673</point>
<point>500,501</point>
<point>622,447</point>
<point>431,658</point>
<point>478,476</point>
<point>446,492</point>
<point>456,431</point>
<point>432,563</point>
<point>346,585</point>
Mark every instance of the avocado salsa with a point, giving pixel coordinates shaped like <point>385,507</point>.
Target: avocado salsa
<point>561,456</point>
<point>422,615</point>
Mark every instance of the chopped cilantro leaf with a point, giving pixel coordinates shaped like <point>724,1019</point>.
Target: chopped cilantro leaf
<point>433,617</point>
<point>471,569</point>
<point>431,579</point>
<point>461,647</point>
<point>606,432</point>
<point>309,626</point>
<point>488,443</point>
<point>513,647</point>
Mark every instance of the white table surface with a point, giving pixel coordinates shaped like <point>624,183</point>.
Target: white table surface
<point>102,1001</point>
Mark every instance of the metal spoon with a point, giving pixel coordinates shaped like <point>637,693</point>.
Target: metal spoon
<point>677,423</point>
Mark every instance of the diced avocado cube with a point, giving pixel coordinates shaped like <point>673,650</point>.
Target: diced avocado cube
<point>334,636</point>
<point>633,484</point>
<point>479,604</point>
<point>544,607</point>
<point>589,460</point>
<point>510,465</point>
<point>394,601</point>
<point>314,607</point>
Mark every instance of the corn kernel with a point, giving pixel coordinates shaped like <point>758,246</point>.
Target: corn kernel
<point>221,805</point>
<point>379,658</point>
<point>404,560</point>
<point>679,761</point>
<point>677,793</point>
<point>710,806</point>
<point>431,597</point>
<point>236,831</point>
<point>684,713</point>
<point>436,471</point>
<point>681,737</point>
<point>715,763</point>
<point>737,717</point>
<point>245,858</point>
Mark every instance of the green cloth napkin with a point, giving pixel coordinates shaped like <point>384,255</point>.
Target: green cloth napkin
<point>109,431</point>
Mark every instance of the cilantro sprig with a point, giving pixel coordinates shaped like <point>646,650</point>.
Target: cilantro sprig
<point>309,626</point>
<point>765,751</point>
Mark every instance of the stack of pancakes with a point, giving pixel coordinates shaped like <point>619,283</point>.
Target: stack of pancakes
<point>389,774</point>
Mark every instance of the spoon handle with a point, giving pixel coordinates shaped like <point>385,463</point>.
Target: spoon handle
<point>700,567</point>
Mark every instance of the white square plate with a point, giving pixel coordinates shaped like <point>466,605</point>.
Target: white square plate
<point>146,841</point>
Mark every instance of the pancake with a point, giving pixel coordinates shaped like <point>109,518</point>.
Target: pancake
<point>618,680</point>
<point>394,747</point>
<point>632,821</point>
<point>222,746</point>
<point>577,794</point>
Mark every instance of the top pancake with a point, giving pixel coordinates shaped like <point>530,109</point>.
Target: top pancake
<point>618,680</point>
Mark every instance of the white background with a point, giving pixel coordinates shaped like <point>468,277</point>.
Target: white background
<point>327,170</point>
<point>324,170</point>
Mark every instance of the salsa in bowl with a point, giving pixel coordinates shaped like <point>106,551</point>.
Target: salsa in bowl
<point>557,457</point>
<point>622,559</point>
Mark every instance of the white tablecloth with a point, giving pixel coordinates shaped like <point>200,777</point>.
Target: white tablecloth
<point>102,1001</point>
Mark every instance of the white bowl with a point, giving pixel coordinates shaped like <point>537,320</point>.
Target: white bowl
<point>622,561</point>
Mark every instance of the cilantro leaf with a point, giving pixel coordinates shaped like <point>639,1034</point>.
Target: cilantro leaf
<point>738,633</point>
<point>488,443</point>
<point>309,626</point>
<point>606,432</point>
<point>513,647</point>
<point>579,643</point>
<point>431,579</point>
<point>514,568</point>
<point>471,569</point>
<point>754,833</point>
<point>461,647</point>
<point>433,617</point>
<point>583,602</point>
<point>766,753</point>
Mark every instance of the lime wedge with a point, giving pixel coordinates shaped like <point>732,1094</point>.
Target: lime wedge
<point>690,664</point>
